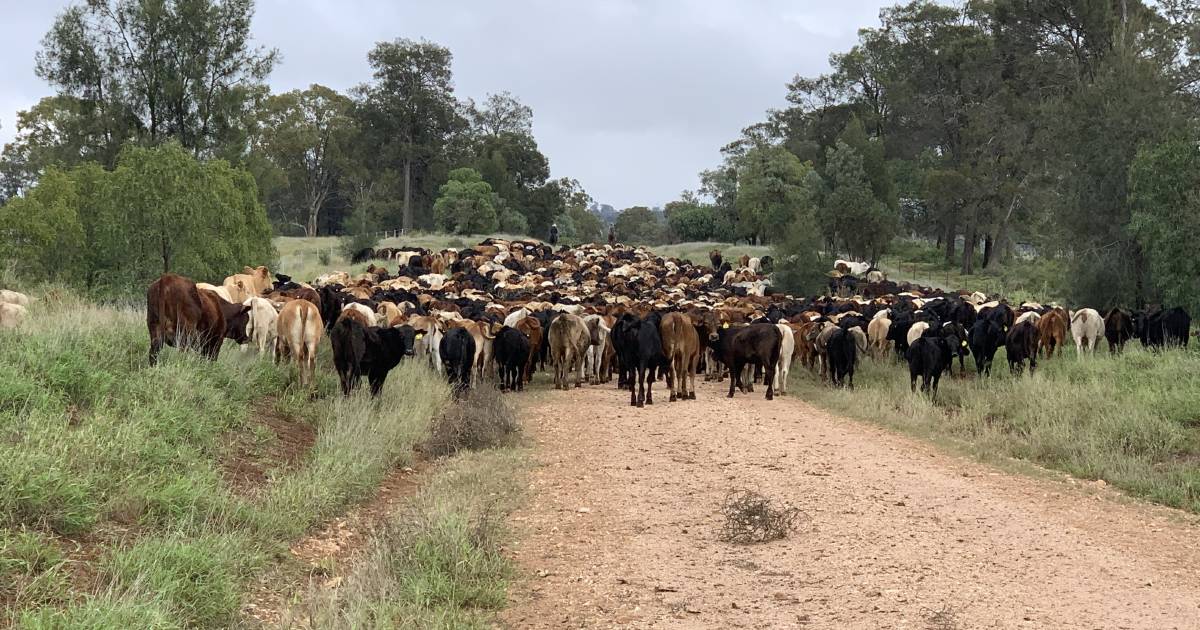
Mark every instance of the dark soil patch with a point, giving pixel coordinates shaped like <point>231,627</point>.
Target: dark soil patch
<point>247,462</point>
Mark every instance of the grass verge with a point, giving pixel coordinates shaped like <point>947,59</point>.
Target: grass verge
<point>1041,280</point>
<point>438,563</point>
<point>114,509</point>
<point>1131,420</point>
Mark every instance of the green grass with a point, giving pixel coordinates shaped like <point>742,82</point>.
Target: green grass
<point>697,252</point>
<point>439,562</point>
<point>1131,420</point>
<point>115,466</point>
<point>1040,280</point>
<point>300,257</point>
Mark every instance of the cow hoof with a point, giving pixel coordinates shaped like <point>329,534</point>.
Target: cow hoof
<point>649,402</point>
<point>640,404</point>
<point>691,396</point>
<point>672,399</point>
<point>729,396</point>
<point>769,396</point>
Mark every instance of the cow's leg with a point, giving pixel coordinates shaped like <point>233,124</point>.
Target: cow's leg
<point>156,344</point>
<point>769,380</point>
<point>692,376</point>
<point>734,373</point>
<point>641,386</point>
<point>936,378</point>
<point>650,386</point>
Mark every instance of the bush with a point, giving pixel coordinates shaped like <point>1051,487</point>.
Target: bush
<point>480,419</point>
<point>753,518</point>
<point>324,257</point>
<point>513,222</point>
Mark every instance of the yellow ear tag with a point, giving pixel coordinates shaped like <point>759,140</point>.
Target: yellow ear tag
<point>419,335</point>
<point>725,325</point>
<point>1006,329</point>
<point>964,344</point>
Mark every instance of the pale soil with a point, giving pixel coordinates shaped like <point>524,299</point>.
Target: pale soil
<point>621,528</point>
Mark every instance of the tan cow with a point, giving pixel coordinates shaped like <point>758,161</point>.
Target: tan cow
<point>787,350</point>
<point>877,332</point>
<point>11,315</point>
<point>250,283</point>
<point>569,339</point>
<point>13,297</point>
<point>299,329</point>
<point>681,345</point>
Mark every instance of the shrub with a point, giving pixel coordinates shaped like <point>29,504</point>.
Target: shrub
<point>513,222</point>
<point>753,518</point>
<point>480,419</point>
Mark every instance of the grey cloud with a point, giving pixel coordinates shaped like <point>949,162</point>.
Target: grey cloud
<point>632,98</point>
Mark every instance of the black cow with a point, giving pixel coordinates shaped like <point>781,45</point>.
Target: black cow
<point>511,349</point>
<point>457,351</point>
<point>843,355</point>
<point>639,349</point>
<point>362,255</point>
<point>985,338</point>
<point>756,344</point>
<point>955,335</point>
<point>1021,345</point>
<point>928,357</point>
<point>1118,328</point>
<point>331,298</point>
<point>1160,328</point>
<point>373,351</point>
<point>714,257</point>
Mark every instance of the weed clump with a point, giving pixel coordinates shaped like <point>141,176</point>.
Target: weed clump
<point>478,419</point>
<point>753,518</point>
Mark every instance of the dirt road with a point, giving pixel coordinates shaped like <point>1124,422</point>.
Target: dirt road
<point>621,528</point>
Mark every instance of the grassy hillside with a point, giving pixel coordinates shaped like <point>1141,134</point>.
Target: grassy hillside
<point>148,497</point>
<point>1131,420</point>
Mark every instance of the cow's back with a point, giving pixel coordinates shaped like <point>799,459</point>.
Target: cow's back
<point>174,307</point>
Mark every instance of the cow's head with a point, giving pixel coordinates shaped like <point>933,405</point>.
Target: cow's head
<point>237,316</point>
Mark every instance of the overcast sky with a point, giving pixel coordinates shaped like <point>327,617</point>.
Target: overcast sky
<point>630,97</point>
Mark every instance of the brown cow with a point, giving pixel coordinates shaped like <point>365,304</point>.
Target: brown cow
<point>681,344</point>
<point>569,338</point>
<point>299,330</point>
<point>180,315</point>
<point>1052,332</point>
<point>532,329</point>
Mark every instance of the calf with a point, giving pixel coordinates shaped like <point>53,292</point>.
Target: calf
<point>569,339</point>
<point>1087,328</point>
<point>598,331</point>
<point>985,338</point>
<point>1052,332</point>
<point>370,350</point>
<point>298,331</point>
<point>511,349</point>
<point>841,348</point>
<point>532,329</point>
<point>1022,345</point>
<point>681,347</point>
<point>641,350</point>
<point>756,344</point>
<point>928,357</point>
<point>261,327</point>
<point>457,351</point>
<point>1118,328</point>
<point>787,349</point>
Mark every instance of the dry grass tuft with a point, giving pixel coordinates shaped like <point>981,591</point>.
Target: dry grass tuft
<point>944,618</point>
<point>753,518</point>
<point>479,419</point>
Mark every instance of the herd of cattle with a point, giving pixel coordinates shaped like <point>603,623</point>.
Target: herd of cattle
<point>504,309</point>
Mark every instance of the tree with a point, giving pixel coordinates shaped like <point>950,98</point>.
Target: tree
<point>692,222</point>
<point>307,135</point>
<point>851,215</point>
<point>159,211</point>
<point>1164,192</point>
<point>500,114</point>
<point>169,69</point>
<point>466,204</point>
<point>639,225</point>
<point>409,113</point>
<point>772,186</point>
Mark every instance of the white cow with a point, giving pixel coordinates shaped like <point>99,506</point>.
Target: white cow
<point>13,297</point>
<point>594,355</point>
<point>261,326</point>
<point>11,315</point>
<point>786,349</point>
<point>1087,327</point>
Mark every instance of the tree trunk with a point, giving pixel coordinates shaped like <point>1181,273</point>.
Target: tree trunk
<point>949,241</point>
<point>968,256</point>
<point>988,245</point>
<point>407,221</point>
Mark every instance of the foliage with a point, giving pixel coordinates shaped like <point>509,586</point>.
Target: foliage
<point>751,518</point>
<point>174,69</point>
<point>480,419</point>
<point>466,204</point>
<point>360,232</point>
<point>693,223</point>
<point>639,225</point>
<point>115,231</point>
<point>513,222</point>
<point>1164,189</point>
<point>305,135</point>
<point>852,216</point>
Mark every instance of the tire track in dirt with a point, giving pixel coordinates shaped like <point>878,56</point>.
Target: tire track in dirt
<point>621,528</point>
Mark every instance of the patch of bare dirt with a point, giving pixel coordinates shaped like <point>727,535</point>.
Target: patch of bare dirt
<point>248,463</point>
<point>622,528</point>
<point>321,558</point>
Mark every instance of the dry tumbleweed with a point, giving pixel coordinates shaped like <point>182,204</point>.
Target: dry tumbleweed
<point>753,518</point>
